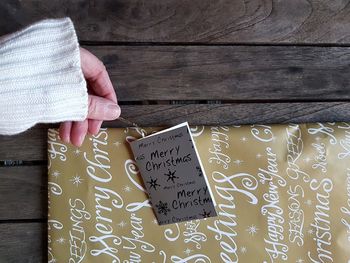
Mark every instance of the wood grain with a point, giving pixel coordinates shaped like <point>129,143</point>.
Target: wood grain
<point>220,21</point>
<point>33,145</point>
<point>23,242</point>
<point>238,73</point>
<point>23,191</point>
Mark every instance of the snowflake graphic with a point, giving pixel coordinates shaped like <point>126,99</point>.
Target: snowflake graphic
<point>308,202</point>
<point>122,224</point>
<point>155,221</point>
<point>163,208</point>
<point>258,156</point>
<point>77,152</point>
<point>76,180</point>
<point>117,144</point>
<point>153,183</point>
<point>199,171</point>
<point>252,230</point>
<point>56,174</point>
<point>171,176</point>
<point>244,139</point>
<point>188,251</point>
<point>318,138</point>
<point>238,162</point>
<point>205,214</point>
<point>307,159</point>
<point>243,250</point>
<point>127,188</point>
<point>310,231</point>
<point>61,240</point>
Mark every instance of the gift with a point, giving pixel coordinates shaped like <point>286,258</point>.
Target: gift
<point>281,194</point>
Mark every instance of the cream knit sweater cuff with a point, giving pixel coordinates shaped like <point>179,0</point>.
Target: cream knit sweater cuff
<point>40,76</point>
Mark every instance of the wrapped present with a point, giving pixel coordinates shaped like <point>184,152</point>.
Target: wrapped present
<point>282,194</point>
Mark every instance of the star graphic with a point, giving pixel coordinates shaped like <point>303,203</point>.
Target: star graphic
<point>77,152</point>
<point>56,174</point>
<point>243,250</point>
<point>244,139</point>
<point>199,171</point>
<point>171,176</point>
<point>153,183</point>
<point>205,214</point>
<point>163,208</point>
<point>252,230</point>
<point>127,188</point>
<point>122,224</point>
<point>258,156</point>
<point>76,180</point>
<point>187,251</point>
<point>61,240</point>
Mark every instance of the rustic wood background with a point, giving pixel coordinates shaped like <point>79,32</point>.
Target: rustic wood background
<point>208,62</point>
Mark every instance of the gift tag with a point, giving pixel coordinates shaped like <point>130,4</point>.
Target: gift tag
<point>173,175</point>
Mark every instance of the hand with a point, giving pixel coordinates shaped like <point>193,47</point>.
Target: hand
<point>103,104</point>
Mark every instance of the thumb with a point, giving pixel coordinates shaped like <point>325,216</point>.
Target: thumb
<point>102,109</point>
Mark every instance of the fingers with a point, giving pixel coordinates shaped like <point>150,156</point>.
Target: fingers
<point>96,74</point>
<point>64,132</point>
<point>78,132</point>
<point>94,126</point>
<point>102,109</point>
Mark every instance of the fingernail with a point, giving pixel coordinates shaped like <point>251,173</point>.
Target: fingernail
<point>113,111</point>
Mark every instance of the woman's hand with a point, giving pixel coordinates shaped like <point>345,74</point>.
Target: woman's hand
<point>103,104</point>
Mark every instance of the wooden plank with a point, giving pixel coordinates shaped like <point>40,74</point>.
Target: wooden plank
<point>23,191</point>
<point>238,73</point>
<point>23,242</point>
<point>226,21</point>
<point>32,146</point>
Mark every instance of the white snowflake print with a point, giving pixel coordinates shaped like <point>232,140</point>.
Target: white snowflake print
<point>61,240</point>
<point>243,250</point>
<point>307,159</point>
<point>77,152</point>
<point>187,251</point>
<point>127,188</point>
<point>299,260</point>
<point>56,174</point>
<point>155,221</point>
<point>252,230</point>
<point>258,156</point>
<point>310,231</point>
<point>308,202</point>
<point>318,138</point>
<point>238,162</point>
<point>76,180</point>
<point>117,144</point>
<point>122,224</point>
<point>244,139</point>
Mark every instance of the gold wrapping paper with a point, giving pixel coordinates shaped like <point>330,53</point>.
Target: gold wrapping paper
<point>282,194</point>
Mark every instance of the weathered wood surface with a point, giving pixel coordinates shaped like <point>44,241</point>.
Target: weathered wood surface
<point>21,147</point>
<point>220,21</point>
<point>23,191</point>
<point>238,73</point>
<point>23,242</point>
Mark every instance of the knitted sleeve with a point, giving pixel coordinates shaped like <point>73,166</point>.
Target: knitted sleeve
<point>41,80</point>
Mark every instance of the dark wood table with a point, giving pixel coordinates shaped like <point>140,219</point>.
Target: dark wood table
<point>207,62</point>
